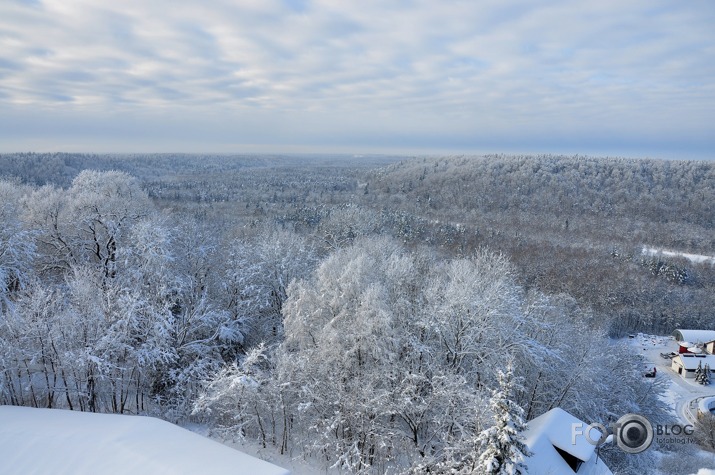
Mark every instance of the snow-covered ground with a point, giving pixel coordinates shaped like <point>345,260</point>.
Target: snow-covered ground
<point>296,464</point>
<point>695,258</point>
<point>681,395</point>
<point>57,442</point>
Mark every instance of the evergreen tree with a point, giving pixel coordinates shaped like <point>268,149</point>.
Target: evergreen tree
<point>699,373</point>
<point>503,448</point>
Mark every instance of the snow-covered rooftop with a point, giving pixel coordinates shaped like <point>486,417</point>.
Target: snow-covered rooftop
<point>694,336</point>
<point>57,442</point>
<point>553,430</point>
<point>691,361</point>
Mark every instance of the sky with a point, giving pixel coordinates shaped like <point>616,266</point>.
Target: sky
<point>598,77</point>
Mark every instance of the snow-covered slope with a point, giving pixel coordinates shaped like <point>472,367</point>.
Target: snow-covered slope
<point>52,441</point>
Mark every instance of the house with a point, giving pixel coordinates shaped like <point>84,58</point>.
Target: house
<point>558,450</point>
<point>686,363</point>
<point>710,347</point>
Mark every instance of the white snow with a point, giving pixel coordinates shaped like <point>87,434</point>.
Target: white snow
<point>680,393</point>
<point>692,361</point>
<point>57,442</point>
<point>296,464</point>
<point>695,258</point>
<point>553,430</point>
<point>706,404</point>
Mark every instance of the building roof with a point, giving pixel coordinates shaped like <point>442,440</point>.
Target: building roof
<point>551,433</point>
<point>691,361</point>
<point>694,336</point>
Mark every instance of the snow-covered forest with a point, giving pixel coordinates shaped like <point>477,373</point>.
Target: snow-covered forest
<point>358,313</point>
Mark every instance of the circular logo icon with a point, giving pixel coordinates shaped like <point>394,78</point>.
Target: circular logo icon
<point>635,433</point>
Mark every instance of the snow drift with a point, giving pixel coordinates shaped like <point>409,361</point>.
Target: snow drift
<point>53,441</point>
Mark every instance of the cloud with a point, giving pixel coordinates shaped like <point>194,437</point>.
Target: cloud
<point>461,71</point>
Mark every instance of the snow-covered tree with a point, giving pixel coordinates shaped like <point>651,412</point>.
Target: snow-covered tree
<point>475,308</point>
<point>346,223</point>
<point>705,431</point>
<point>176,267</point>
<point>699,373</point>
<point>255,281</point>
<point>503,449</point>
<point>702,374</point>
<point>391,347</point>
<point>17,247</point>
<point>102,208</point>
<point>231,399</point>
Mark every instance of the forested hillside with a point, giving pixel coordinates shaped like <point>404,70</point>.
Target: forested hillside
<point>358,314</point>
<point>574,225</point>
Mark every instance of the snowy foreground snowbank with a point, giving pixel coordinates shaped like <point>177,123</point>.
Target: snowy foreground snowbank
<point>53,441</point>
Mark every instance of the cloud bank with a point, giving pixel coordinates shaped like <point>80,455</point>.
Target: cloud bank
<point>222,75</point>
